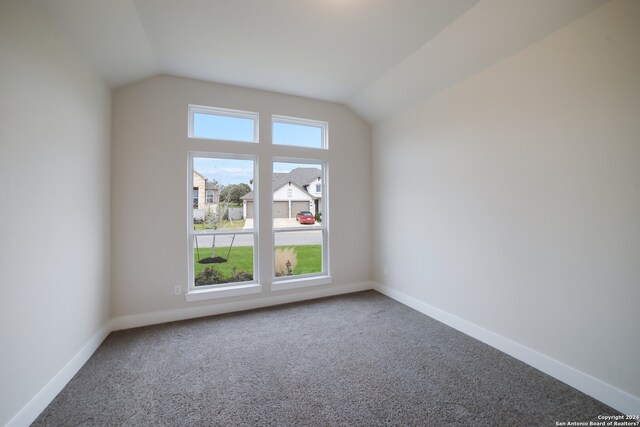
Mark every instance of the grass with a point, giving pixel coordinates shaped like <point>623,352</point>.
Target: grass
<point>241,257</point>
<point>236,224</point>
<point>309,258</point>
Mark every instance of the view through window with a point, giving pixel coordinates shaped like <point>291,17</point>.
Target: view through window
<point>223,233</point>
<point>222,124</point>
<point>223,238</point>
<point>299,231</point>
<point>299,132</point>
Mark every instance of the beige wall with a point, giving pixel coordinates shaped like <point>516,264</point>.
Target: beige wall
<point>525,180</point>
<point>199,182</point>
<point>150,135</point>
<point>54,254</point>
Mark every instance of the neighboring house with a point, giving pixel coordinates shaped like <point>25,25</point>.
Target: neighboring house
<point>298,190</point>
<point>204,193</point>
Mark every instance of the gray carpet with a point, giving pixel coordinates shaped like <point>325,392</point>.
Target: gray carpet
<point>355,360</point>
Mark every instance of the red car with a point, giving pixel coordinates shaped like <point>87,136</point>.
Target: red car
<point>305,217</point>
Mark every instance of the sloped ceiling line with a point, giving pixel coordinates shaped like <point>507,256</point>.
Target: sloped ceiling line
<point>375,56</point>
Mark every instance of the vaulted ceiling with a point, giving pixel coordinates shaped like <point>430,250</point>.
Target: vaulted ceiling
<point>373,55</point>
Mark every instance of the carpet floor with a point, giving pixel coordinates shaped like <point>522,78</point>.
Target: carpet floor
<point>354,360</point>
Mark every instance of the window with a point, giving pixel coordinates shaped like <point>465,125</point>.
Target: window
<point>299,132</point>
<point>222,234</point>
<point>195,197</point>
<point>223,254</point>
<point>299,233</point>
<point>222,124</point>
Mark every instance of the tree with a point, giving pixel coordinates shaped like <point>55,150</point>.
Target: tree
<point>213,217</point>
<point>233,193</point>
<point>213,220</point>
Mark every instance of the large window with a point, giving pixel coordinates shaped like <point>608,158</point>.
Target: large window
<point>299,231</point>
<point>222,124</point>
<point>223,200</point>
<point>222,233</point>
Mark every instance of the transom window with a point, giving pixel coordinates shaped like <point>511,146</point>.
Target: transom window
<point>299,132</point>
<point>222,124</point>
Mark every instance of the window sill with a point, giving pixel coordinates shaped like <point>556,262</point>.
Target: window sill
<point>283,285</point>
<point>223,292</point>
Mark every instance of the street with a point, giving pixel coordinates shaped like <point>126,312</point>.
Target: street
<point>294,238</point>
<point>282,239</point>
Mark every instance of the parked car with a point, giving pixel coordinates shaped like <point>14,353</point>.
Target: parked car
<point>305,217</point>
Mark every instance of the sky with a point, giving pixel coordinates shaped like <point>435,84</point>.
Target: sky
<point>222,127</point>
<point>232,171</point>
<point>301,136</point>
<point>225,171</point>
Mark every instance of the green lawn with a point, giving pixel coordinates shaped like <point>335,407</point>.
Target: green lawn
<point>309,259</point>
<point>240,257</point>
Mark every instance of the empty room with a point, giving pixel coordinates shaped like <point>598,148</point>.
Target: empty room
<point>320,213</point>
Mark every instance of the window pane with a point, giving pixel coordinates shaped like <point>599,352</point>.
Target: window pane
<point>297,195</point>
<point>224,127</point>
<point>222,194</point>
<point>298,134</point>
<point>222,259</point>
<point>298,252</point>
<point>219,185</point>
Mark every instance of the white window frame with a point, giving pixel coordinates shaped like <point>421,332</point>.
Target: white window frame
<point>226,112</point>
<point>324,126</point>
<point>303,280</point>
<point>225,289</point>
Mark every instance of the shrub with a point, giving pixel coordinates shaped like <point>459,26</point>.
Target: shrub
<point>209,276</point>
<point>318,216</point>
<point>241,276</point>
<point>286,261</point>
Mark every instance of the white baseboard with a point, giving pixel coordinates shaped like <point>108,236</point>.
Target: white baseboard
<point>156,317</point>
<point>606,393</point>
<point>31,410</point>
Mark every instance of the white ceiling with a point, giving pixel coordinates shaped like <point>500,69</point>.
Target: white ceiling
<point>373,55</point>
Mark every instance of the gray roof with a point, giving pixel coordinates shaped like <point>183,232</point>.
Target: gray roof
<point>208,185</point>
<point>299,177</point>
